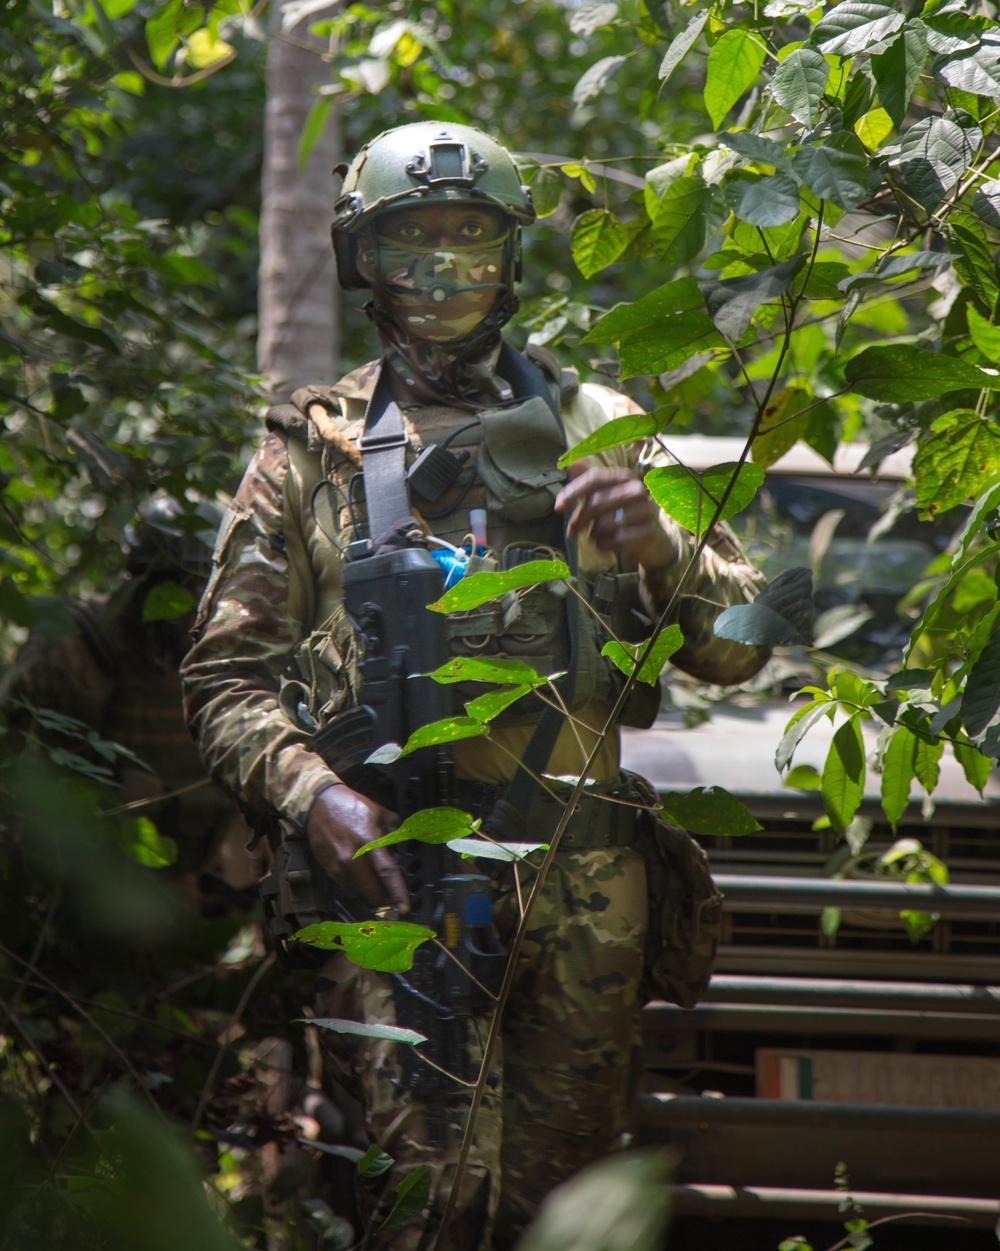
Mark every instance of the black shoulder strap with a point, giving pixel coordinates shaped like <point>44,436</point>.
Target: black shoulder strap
<point>383,463</point>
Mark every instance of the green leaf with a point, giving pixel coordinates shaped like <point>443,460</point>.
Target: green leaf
<point>974,262</point>
<point>166,601</point>
<point>656,348</point>
<point>952,461</point>
<point>411,1195</point>
<point>680,296</point>
<point>480,588</point>
<point>753,147</point>
<point>618,432</point>
<point>142,841</point>
<point>836,170</point>
<point>830,919</point>
<point>873,129</point>
<point>933,155</point>
<point>843,781</point>
<point>803,778</point>
<point>799,82</point>
<point>782,614</point>
<point>976,70</point>
<point>546,185</point>
<point>429,825</point>
<point>781,427</point>
<point>954,32</point>
<point>926,757</point>
<point>669,640</point>
<point>899,372</point>
<point>688,213</point>
<point>897,70</point>
<point>598,239</point>
<point>801,721</point>
<point>375,1162</point>
<point>732,302</point>
<point>733,65</point>
<point>447,730</point>
<point>771,201</point>
<point>709,810</point>
<point>484,850</point>
<point>364,1029</point>
<point>692,498</point>
<point>595,79</point>
<point>977,768</point>
<point>897,774</point>
<point>981,697</point>
<point>485,707</point>
<point>591,15</point>
<point>385,946</point>
<point>681,45</point>
<point>984,334</point>
<point>852,27</point>
<point>503,670</point>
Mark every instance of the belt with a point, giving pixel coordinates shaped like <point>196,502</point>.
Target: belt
<point>596,821</point>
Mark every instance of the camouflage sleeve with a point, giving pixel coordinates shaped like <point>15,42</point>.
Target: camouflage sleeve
<point>245,635</point>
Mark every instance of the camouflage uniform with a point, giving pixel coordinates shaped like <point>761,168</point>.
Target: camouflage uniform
<point>566,1069</point>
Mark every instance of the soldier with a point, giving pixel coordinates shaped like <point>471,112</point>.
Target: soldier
<point>117,673</point>
<point>429,220</point>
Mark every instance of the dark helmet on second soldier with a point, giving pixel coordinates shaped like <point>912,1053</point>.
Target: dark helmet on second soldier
<point>165,538</point>
<point>426,163</point>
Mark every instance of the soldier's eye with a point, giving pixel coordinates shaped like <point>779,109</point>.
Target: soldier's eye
<point>472,229</point>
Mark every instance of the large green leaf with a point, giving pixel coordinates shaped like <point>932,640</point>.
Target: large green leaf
<point>985,335</point>
<point>799,82</point>
<point>960,453</point>
<point>709,810</point>
<point>680,296</point>
<point>897,70</point>
<point>504,670</point>
<point>598,239</point>
<point>753,147</point>
<point>981,698</point>
<point>682,44</point>
<point>926,763</point>
<point>429,825</point>
<point>899,372</point>
<point>385,946</point>
<point>692,498</point>
<point>688,213</point>
<point>986,203</point>
<point>732,302</point>
<point>782,425</point>
<point>619,432</point>
<point>412,1194</point>
<point>771,201</point>
<point>480,588</point>
<point>835,170</point>
<point>897,774</point>
<point>976,70</point>
<point>933,155</point>
<point>733,65</point>
<point>974,258</point>
<point>954,32</point>
<point>447,730</point>
<point>781,615</point>
<point>669,640</point>
<point>485,707</point>
<point>854,26</point>
<point>843,782</point>
<point>978,769</point>
<point>656,348</point>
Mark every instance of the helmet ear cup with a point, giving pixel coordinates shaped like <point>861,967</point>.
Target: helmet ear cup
<point>517,260</point>
<point>345,249</point>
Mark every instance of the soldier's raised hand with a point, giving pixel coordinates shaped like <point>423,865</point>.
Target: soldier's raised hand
<point>614,510</point>
<point>339,822</point>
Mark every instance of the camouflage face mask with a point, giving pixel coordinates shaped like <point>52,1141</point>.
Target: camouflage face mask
<point>443,295</point>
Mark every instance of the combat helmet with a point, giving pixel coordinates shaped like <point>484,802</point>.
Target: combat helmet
<point>425,163</point>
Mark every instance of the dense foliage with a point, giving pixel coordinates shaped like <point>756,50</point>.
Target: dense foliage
<point>797,204</point>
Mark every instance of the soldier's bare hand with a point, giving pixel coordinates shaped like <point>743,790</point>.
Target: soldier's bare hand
<point>613,508</point>
<point>339,822</point>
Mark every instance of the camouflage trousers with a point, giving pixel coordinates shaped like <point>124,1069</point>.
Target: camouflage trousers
<point>562,1077</point>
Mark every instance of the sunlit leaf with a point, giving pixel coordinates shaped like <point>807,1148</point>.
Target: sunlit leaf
<point>667,344</point>
<point>595,79</point>
<point>709,810</point>
<point>897,70</point>
<point>753,147</point>
<point>364,1029</point>
<point>503,670</point>
<point>591,15</point>
<point>143,842</point>
<point>485,850</point>
<point>986,203</point>
<point>429,825</point>
<point>781,427</point>
<point>598,239</point>
<point>385,946</point>
<point>692,497</point>
<point>480,588</point>
<point>801,721</point>
<point>897,774</point>
<point>447,730</point>
<point>933,155</point>
<point>687,214</point>
<point>952,462</point>
<point>669,640</point>
<point>733,65</point>
<point>926,763</point>
<point>874,128</point>
<point>485,707</point>
<point>974,260</point>
<point>976,69</point>
<point>855,26</point>
<point>682,44</point>
<point>680,296</point>
<point>619,432</point>
<point>985,335</point>
<point>803,778</point>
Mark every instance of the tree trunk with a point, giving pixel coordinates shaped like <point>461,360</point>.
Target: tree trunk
<point>298,300</point>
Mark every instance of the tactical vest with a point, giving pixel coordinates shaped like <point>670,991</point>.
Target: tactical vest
<point>511,473</point>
